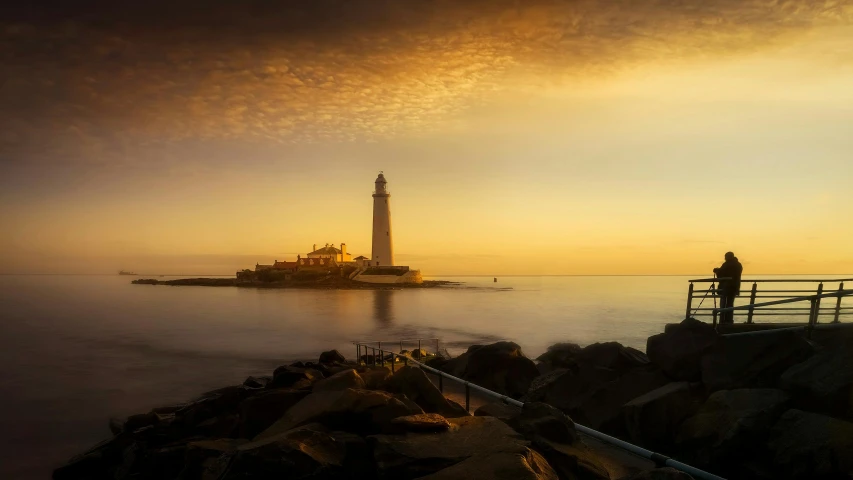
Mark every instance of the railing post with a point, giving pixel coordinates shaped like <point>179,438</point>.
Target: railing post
<point>689,300</point>
<point>838,303</point>
<point>467,398</point>
<point>436,340</point>
<point>393,362</point>
<point>715,317</point>
<point>406,360</point>
<point>381,355</point>
<point>374,355</point>
<point>810,327</point>
<point>817,303</point>
<point>752,302</point>
<point>419,349</point>
<point>358,354</point>
<point>401,346</point>
<point>441,383</point>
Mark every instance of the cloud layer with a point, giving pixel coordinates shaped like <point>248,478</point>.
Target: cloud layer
<point>94,80</point>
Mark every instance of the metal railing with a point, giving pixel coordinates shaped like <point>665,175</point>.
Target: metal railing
<point>813,309</point>
<point>660,460</point>
<point>768,309</point>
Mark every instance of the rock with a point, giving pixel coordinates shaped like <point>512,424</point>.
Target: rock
<point>425,422</point>
<point>823,383</point>
<point>359,411</point>
<point>339,381</point>
<point>417,454</point>
<point>116,425</point>
<point>135,422</point>
<point>497,410</point>
<point>257,382</point>
<point>298,454</point>
<point>542,420</point>
<point>652,419</point>
<point>414,384</point>
<point>374,377</point>
<point>678,351</point>
<point>201,455</point>
<point>601,407</point>
<point>527,465</point>
<point>810,445</point>
<point>667,473</point>
<point>501,367</point>
<point>212,404</point>
<point>752,361</point>
<point>565,389</point>
<point>287,376</point>
<point>729,425</point>
<point>612,355</point>
<point>560,355</point>
<point>225,426</point>
<point>332,356</point>
<point>163,462</point>
<point>260,411</point>
<point>358,459</point>
<point>436,362</point>
<point>99,462</point>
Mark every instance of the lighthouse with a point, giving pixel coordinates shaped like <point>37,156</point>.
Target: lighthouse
<point>383,249</point>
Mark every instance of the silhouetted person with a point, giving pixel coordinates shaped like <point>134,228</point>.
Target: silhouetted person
<point>729,289</point>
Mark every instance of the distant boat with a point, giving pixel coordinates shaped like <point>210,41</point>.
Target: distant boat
<point>122,272</point>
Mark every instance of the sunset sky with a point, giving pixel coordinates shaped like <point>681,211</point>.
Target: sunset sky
<point>517,137</point>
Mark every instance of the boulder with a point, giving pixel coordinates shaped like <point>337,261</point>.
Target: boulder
<point>288,376</point>
<point>99,462</point>
<point>497,410</point>
<point>359,411</point>
<point>540,420</point>
<point>612,355</point>
<point>566,389</point>
<point>667,473</point>
<point>339,381</point>
<point>414,384</point>
<point>601,407</point>
<point>201,455</point>
<point>526,465</point>
<point>116,425</point>
<point>810,445</point>
<point>257,382</point>
<point>678,351</point>
<point>652,420</point>
<point>752,361</point>
<point>332,356</point>
<point>729,425</point>
<point>823,383</point>
<point>560,355</point>
<point>374,377</point>
<point>501,367</point>
<point>414,455</point>
<point>135,422</point>
<point>425,422</point>
<point>298,454</point>
<point>223,426</point>
<point>212,404</point>
<point>166,461</point>
<point>260,411</point>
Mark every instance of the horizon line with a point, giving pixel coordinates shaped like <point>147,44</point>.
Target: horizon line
<point>429,275</point>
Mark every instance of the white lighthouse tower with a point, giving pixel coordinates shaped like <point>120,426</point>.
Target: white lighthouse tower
<point>383,249</point>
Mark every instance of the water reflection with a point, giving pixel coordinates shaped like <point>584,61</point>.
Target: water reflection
<point>383,310</point>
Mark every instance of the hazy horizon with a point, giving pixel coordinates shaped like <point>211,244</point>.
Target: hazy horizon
<point>544,137</point>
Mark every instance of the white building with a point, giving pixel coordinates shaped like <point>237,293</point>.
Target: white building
<point>329,251</point>
<point>383,245</point>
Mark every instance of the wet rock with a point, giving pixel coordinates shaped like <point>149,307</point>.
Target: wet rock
<point>359,411</point>
<point>339,381</point>
<point>560,355</point>
<point>116,425</point>
<point>526,465</point>
<point>287,377</point>
<point>810,445</point>
<point>601,407</point>
<point>425,422</point>
<point>652,420</point>
<point>667,473</point>
<point>376,377</point>
<point>260,411</point>
<point>436,362</point>
<point>332,356</point>
<point>678,351</point>
<point>224,426</point>
<point>297,454</point>
<point>99,462</point>
<point>257,382</point>
<point>414,455</point>
<point>540,420</point>
<point>823,383</point>
<point>414,384</point>
<point>358,459</point>
<point>612,355</point>
<point>135,422</point>
<point>730,425</point>
<point>565,389</point>
<point>497,410</point>
<point>752,361</point>
<point>501,367</point>
<point>202,455</point>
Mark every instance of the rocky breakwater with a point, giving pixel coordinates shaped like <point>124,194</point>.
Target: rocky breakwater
<point>338,420</point>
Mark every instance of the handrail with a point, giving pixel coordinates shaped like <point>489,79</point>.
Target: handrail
<point>767,280</point>
<point>648,454</point>
<point>841,293</point>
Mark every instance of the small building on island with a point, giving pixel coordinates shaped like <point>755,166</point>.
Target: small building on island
<point>329,251</point>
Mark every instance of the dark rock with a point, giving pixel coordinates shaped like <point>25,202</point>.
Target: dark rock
<point>678,351</point>
<point>560,355</point>
<point>612,355</point>
<point>257,382</point>
<point>810,445</point>
<point>436,362</point>
<point>497,410</point>
<point>823,383</point>
<point>332,356</point>
<point>287,376</point>
<point>565,389</point>
<point>730,425</point>
<point>116,425</point>
<point>425,422</point>
<point>374,378</point>
<point>358,459</point>
<point>260,411</point>
<point>339,381</point>
<point>224,426</point>
<point>414,384</point>
<point>297,454</point>
<point>414,455</point>
<point>601,407</point>
<point>545,421</point>
<point>135,422</point>
<point>667,473</point>
<point>97,463</point>
<point>359,411</point>
<point>652,420</point>
<point>202,455</point>
<point>527,465</point>
<point>501,367</point>
<point>168,409</point>
<point>752,361</point>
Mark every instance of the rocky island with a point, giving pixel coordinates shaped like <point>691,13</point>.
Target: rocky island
<point>772,406</point>
<point>322,282</point>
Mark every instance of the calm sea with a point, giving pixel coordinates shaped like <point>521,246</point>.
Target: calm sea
<point>76,350</point>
